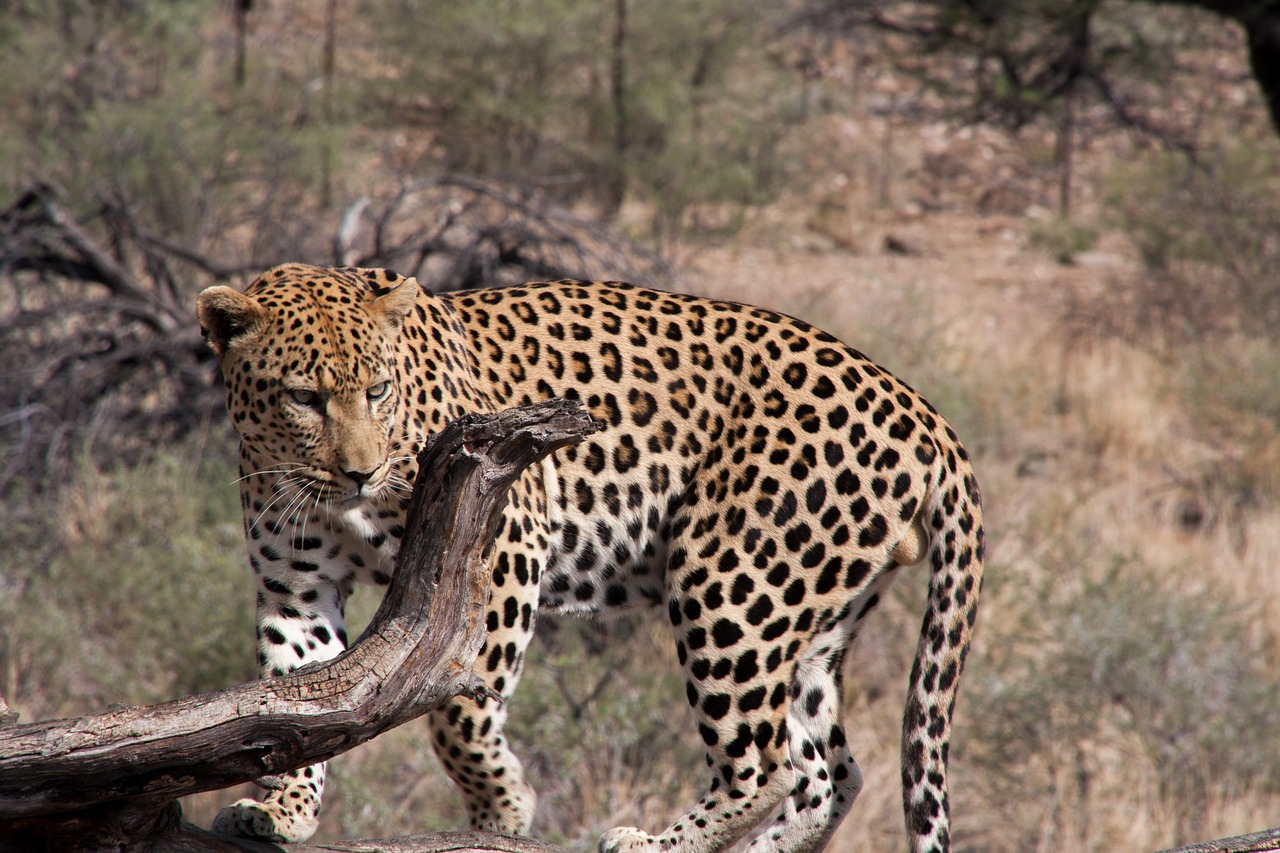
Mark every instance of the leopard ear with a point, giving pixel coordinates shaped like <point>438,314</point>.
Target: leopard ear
<point>394,305</point>
<point>226,314</point>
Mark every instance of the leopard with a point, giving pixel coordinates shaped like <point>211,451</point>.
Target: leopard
<point>753,476</point>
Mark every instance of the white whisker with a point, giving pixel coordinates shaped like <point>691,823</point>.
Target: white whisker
<point>278,496</point>
<point>304,512</point>
<point>308,512</point>
<point>294,466</point>
<point>289,514</point>
<point>285,482</point>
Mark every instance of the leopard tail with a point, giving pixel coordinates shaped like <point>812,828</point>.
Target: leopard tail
<point>952,518</point>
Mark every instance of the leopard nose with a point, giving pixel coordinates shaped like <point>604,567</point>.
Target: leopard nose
<point>359,477</point>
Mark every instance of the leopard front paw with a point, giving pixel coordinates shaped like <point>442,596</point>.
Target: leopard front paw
<point>628,839</point>
<point>267,821</point>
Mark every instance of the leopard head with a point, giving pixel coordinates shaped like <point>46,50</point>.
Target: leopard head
<point>308,355</point>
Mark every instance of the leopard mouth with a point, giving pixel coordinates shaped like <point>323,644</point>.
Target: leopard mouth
<point>366,491</point>
<point>325,487</point>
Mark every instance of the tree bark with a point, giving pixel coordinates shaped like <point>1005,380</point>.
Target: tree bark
<point>111,780</point>
<point>1268,839</point>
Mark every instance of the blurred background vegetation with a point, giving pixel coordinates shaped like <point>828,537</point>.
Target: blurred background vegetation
<point>1057,219</point>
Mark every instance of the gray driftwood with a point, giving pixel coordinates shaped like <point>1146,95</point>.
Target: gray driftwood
<point>111,780</point>
<point>1254,842</point>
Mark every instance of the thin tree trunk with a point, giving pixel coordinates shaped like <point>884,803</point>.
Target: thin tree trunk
<point>240,16</point>
<point>328,64</point>
<point>1066,151</point>
<point>618,97</point>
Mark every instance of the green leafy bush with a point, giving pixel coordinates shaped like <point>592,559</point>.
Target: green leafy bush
<point>125,102</point>
<point>1062,238</point>
<point>1229,393</point>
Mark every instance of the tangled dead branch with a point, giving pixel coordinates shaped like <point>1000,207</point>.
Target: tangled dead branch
<point>95,337</point>
<point>457,233</point>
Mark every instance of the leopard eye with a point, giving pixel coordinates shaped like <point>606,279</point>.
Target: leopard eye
<point>304,396</point>
<point>377,391</point>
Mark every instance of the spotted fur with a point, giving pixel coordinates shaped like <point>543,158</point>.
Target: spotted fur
<point>755,478</point>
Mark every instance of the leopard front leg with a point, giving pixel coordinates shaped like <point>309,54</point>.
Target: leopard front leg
<point>468,735</point>
<point>299,621</point>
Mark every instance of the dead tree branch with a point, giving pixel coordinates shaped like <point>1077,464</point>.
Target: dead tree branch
<point>111,779</point>
<point>456,232</point>
<point>1254,842</point>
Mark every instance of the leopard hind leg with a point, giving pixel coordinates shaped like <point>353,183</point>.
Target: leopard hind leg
<point>827,779</point>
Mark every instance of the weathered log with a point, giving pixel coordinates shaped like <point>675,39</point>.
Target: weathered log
<point>435,842</point>
<point>111,780</point>
<point>1254,842</point>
